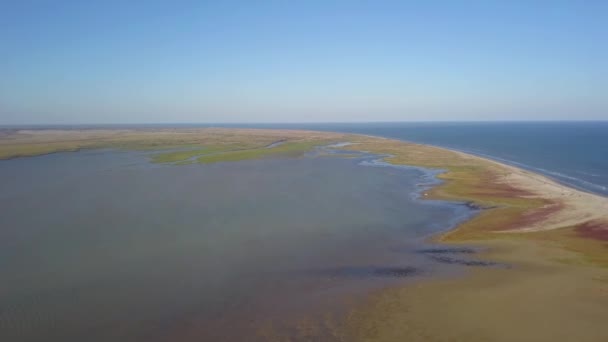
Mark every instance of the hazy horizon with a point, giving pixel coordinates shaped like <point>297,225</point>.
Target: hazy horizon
<point>240,62</point>
<point>278,125</point>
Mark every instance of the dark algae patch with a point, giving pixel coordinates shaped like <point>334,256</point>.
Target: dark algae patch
<point>368,272</point>
<point>446,250</point>
<point>450,255</point>
<point>457,261</point>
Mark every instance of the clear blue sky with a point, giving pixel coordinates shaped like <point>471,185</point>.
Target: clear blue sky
<point>284,61</point>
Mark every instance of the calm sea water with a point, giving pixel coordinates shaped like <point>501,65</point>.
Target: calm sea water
<point>573,153</point>
<point>104,246</point>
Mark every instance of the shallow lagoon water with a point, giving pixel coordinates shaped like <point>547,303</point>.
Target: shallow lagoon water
<point>105,246</point>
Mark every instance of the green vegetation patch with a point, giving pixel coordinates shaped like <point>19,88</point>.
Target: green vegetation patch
<point>181,157</point>
<point>288,149</point>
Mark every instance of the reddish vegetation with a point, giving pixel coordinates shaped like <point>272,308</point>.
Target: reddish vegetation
<point>494,188</point>
<point>537,215</point>
<point>593,230</point>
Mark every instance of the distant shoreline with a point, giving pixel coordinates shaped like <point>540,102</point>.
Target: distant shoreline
<point>587,177</point>
<point>23,143</point>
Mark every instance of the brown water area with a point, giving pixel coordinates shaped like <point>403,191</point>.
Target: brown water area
<point>105,246</point>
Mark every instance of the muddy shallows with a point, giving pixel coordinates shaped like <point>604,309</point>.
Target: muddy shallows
<point>104,246</point>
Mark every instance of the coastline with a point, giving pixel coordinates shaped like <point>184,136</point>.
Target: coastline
<point>596,206</point>
<point>554,236</point>
<point>502,182</point>
<point>429,180</point>
<point>553,175</point>
<point>529,221</point>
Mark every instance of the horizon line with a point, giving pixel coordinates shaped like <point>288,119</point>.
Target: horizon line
<point>17,125</point>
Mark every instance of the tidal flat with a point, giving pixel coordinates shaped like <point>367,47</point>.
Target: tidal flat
<point>333,250</point>
<point>103,245</point>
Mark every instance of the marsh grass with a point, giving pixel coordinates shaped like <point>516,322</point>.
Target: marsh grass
<point>590,251</point>
<point>183,156</point>
<point>205,140</point>
<point>288,149</point>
